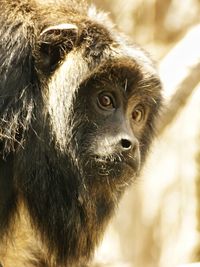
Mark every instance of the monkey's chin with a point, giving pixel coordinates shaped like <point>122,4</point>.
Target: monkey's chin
<point>116,171</point>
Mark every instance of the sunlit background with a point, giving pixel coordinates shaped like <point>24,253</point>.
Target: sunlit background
<point>158,221</point>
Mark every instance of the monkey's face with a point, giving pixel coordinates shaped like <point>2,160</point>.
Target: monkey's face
<point>112,110</point>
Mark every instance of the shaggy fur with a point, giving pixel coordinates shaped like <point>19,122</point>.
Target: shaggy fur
<point>61,173</point>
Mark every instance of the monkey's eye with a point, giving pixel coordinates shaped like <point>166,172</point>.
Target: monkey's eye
<point>138,114</point>
<point>105,101</point>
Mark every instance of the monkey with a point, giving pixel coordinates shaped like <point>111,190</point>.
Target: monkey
<point>78,106</point>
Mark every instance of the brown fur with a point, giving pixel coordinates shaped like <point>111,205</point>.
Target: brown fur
<point>65,160</point>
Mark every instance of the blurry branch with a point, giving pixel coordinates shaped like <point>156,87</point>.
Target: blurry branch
<point>180,74</point>
<point>179,99</point>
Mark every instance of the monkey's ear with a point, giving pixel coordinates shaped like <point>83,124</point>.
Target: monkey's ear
<point>55,42</point>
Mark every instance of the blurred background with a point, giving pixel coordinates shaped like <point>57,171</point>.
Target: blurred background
<point>158,220</point>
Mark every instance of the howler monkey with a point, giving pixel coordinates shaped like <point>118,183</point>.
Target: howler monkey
<point>77,110</point>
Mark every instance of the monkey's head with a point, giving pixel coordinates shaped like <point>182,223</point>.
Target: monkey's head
<point>103,96</point>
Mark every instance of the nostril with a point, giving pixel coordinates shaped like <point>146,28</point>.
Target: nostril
<point>126,144</point>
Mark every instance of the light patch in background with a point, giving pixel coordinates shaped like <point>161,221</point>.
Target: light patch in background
<point>175,19</point>
<point>179,62</point>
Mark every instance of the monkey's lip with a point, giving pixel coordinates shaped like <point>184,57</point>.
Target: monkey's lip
<point>132,163</point>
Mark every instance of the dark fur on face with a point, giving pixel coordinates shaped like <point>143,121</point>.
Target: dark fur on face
<point>77,112</point>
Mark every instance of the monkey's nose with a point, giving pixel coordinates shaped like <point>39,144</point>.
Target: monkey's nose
<point>126,144</point>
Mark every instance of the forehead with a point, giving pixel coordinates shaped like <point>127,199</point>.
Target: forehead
<point>122,72</point>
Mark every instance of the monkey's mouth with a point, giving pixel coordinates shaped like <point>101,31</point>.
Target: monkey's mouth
<point>117,164</point>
